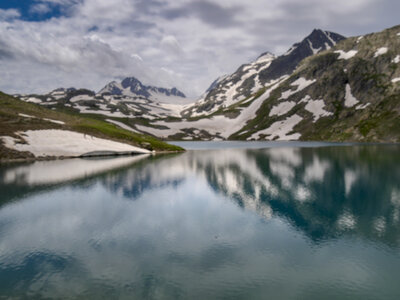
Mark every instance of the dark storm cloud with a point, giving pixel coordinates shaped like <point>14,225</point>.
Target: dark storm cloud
<point>208,12</point>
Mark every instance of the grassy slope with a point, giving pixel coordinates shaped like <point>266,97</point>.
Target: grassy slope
<point>10,122</point>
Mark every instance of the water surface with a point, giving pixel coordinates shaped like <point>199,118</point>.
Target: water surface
<point>292,221</point>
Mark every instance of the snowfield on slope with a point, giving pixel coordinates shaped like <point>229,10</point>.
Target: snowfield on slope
<point>46,119</point>
<point>316,107</point>
<point>301,84</point>
<point>280,129</point>
<point>381,51</point>
<point>346,55</point>
<point>54,142</point>
<point>217,125</point>
<point>282,108</point>
<point>229,91</point>
<point>350,100</point>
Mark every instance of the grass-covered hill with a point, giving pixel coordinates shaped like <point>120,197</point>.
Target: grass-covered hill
<point>14,118</point>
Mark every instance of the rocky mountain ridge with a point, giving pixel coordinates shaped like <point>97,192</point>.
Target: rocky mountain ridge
<point>250,78</point>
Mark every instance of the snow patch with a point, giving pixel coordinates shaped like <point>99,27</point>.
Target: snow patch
<point>171,99</point>
<point>33,100</point>
<point>122,125</point>
<point>314,50</point>
<point>346,55</point>
<point>80,98</point>
<point>360,38</point>
<point>329,37</point>
<point>396,60</point>
<point>350,100</point>
<point>381,51</point>
<point>305,99</point>
<point>291,49</point>
<point>54,121</point>
<point>53,142</point>
<point>394,80</point>
<point>26,116</point>
<point>49,120</point>
<point>282,108</point>
<point>174,109</point>
<point>301,83</point>
<point>362,106</point>
<point>327,47</point>
<point>103,111</point>
<point>316,107</point>
<point>280,129</point>
<point>57,93</point>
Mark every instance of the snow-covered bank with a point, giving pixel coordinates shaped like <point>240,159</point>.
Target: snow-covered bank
<point>53,142</point>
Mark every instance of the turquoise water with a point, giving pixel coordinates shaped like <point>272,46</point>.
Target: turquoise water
<point>292,221</point>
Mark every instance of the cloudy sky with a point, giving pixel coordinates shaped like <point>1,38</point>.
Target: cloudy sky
<point>45,44</point>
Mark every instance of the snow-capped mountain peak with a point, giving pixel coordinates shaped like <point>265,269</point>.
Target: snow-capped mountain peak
<point>132,87</point>
<point>252,77</point>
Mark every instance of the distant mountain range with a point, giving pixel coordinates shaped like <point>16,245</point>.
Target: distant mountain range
<point>133,87</point>
<point>326,87</point>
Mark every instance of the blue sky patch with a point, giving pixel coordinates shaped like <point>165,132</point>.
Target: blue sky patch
<point>34,11</point>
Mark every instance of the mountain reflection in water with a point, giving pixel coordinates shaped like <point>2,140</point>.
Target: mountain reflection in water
<point>211,223</point>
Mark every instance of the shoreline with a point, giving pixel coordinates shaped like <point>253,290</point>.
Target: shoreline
<point>99,154</point>
<point>52,158</point>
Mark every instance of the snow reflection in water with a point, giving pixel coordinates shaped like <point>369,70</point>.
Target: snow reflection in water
<point>245,223</point>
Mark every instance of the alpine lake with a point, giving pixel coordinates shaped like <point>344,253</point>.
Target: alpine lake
<point>223,220</point>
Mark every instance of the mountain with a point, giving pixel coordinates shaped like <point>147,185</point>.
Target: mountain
<point>348,92</point>
<point>318,41</point>
<point>250,78</point>
<point>126,99</point>
<point>325,88</point>
<point>132,87</point>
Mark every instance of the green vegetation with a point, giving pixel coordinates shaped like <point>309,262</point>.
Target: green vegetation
<point>11,122</point>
